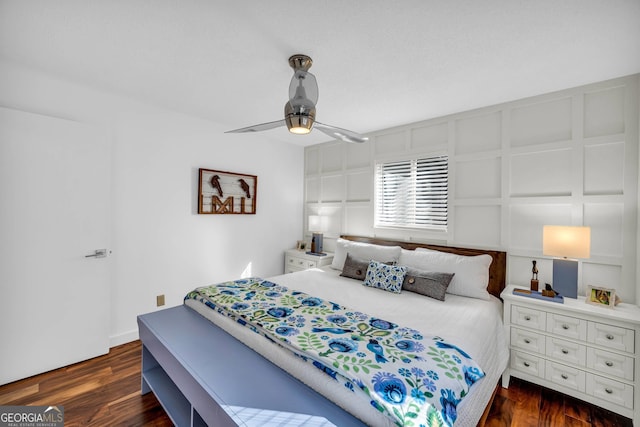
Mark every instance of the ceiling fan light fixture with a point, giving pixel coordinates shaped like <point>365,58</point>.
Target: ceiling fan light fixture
<point>300,131</point>
<point>300,125</point>
<point>299,119</point>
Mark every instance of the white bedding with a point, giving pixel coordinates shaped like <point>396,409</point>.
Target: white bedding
<point>474,325</point>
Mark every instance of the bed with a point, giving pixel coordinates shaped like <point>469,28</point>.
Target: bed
<point>463,316</point>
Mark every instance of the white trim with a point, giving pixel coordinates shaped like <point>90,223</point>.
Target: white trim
<point>123,338</point>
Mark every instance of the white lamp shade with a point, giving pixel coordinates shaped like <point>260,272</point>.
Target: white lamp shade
<point>318,223</point>
<point>566,241</point>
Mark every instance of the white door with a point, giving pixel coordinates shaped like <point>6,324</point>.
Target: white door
<point>54,210</point>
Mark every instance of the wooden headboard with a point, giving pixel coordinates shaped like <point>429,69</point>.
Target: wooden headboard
<point>497,269</point>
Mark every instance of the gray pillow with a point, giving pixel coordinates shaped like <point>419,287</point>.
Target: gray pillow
<point>428,283</point>
<point>354,268</point>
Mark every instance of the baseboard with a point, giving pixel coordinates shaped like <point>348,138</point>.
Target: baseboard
<point>116,340</point>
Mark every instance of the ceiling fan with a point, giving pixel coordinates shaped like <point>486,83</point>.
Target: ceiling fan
<point>300,110</point>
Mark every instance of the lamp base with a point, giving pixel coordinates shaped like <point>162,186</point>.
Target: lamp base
<point>316,243</point>
<point>565,277</point>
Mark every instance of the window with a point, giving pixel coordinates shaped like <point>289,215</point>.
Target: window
<point>412,193</point>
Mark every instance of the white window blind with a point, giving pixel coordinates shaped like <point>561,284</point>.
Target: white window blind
<point>412,193</point>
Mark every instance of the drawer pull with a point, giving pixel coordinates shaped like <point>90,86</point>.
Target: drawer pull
<point>565,351</point>
<point>527,318</point>
<point>564,376</point>
<point>527,341</point>
<point>526,364</point>
<point>608,390</point>
<point>609,337</point>
<point>608,363</point>
<point>565,327</point>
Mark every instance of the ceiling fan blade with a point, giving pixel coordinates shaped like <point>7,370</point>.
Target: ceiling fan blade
<point>303,86</point>
<point>260,127</point>
<point>339,133</point>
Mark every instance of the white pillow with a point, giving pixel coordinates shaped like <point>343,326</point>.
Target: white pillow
<point>471,272</point>
<point>364,251</point>
<point>340,254</point>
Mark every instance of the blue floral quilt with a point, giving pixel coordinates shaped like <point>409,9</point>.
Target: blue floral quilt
<point>414,379</point>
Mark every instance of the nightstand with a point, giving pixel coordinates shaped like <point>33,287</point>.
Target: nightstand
<point>585,351</point>
<point>295,260</point>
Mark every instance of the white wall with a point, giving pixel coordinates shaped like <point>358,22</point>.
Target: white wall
<point>566,158</point>
<point>160,244</point>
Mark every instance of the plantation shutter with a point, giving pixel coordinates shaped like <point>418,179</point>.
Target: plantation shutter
<point>412,193</point>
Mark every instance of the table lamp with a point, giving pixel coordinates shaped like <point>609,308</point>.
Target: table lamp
<point>567,242</point>
<point>317,225</point>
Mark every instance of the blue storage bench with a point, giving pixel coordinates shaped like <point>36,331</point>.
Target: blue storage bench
<point>203,376</point>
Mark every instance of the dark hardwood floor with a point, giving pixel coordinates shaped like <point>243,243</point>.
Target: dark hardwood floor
<point>525,404</point>
<point>105,391</point>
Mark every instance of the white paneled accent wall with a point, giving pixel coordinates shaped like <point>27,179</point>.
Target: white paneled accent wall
<point>566,158</point>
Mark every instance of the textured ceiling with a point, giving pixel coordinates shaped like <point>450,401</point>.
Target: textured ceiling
<point>378,63</point>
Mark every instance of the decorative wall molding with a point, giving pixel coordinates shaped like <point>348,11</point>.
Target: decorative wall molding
<point>564,158</point>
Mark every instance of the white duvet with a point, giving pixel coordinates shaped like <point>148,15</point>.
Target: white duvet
<point>472,324</point>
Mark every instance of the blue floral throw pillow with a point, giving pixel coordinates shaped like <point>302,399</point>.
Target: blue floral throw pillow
<point>386,277</point>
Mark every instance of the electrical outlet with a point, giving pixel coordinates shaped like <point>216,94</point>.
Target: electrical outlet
<point>160,300</point>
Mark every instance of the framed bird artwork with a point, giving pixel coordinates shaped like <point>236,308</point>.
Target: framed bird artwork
<point>222,192</point>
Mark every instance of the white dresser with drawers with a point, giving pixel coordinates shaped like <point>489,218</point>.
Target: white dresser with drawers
<point>586,351</point>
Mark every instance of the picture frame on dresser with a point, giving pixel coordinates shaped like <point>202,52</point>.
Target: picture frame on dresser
<point>604,297</point>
